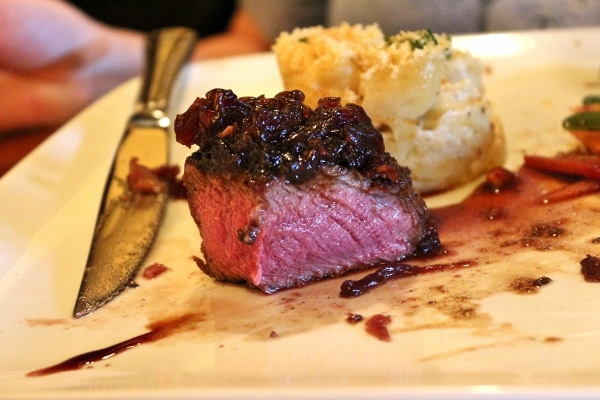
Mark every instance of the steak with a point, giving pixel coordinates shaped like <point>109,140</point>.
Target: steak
<point>283,194</point>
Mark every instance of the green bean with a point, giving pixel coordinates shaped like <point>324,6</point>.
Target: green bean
<point>591,99</point>
<point>583,121</point>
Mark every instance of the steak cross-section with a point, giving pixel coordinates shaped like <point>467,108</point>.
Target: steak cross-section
<point>284,195</point>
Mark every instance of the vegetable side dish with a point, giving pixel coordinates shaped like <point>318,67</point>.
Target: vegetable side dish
<point>426,97</point>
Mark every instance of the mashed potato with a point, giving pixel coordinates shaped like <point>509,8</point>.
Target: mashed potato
<point>427,98</point>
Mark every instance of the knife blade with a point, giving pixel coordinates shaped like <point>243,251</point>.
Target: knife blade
<point>128,219</point>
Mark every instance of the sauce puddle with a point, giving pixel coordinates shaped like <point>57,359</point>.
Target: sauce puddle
<point>389,271</point>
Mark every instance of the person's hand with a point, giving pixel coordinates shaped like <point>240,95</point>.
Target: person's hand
<point>54,60</point>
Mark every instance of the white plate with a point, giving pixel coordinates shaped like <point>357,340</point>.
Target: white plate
<point>48,204</point>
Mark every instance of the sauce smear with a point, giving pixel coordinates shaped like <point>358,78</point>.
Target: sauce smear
<point>158,330</point>
<point>505,216</point>
<point>389,271</point>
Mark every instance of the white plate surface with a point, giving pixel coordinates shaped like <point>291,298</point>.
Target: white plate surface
<point>48,204</point>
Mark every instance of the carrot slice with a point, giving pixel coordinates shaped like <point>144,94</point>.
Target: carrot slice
<point>584,166</point>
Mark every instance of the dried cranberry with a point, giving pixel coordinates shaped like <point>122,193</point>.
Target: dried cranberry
<point>283,137</point>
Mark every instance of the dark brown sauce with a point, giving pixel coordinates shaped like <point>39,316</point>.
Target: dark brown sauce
<point>158,330</point>
<point>389,271</point>
<point>505,221</point>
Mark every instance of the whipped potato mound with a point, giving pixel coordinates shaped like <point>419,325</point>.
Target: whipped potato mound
<point>426,98</point>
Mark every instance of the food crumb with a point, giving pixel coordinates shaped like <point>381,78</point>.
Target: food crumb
<point>523,285</point>
<point>154,270</point>
<point>354,319</point>
<point>499,178</point>
<point>132,284</point>
<point>590,268</point>
<point>377,326</point>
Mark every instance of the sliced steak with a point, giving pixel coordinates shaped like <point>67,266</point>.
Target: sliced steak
<point>283,194</point>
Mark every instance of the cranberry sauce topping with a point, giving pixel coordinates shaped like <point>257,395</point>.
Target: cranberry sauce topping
<point>282,137</point>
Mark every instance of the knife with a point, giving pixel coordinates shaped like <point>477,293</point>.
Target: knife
<point>128,219</point>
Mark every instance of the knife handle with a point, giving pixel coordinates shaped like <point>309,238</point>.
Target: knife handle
<point>167,50</point>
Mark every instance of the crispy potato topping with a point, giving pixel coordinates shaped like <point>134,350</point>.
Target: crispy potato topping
<point>426,97</point>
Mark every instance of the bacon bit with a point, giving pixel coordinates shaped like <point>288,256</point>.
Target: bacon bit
<point>387,172</point>
<point>571,191</point>
<point>377,326</point>
<point>143,180</point>
<point>585,166</point>
<point>177,190</point>
<point>169,173</point>
<point>499,178</point>
<point>226,132</point>
<point>154,270</point>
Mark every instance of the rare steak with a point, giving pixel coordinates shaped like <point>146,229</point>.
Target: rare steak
<point>283,194</point>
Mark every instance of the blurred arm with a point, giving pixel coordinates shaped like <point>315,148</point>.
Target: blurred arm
<point>55,60</point>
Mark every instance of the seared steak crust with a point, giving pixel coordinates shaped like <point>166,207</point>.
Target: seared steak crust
<point>283,194</point>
